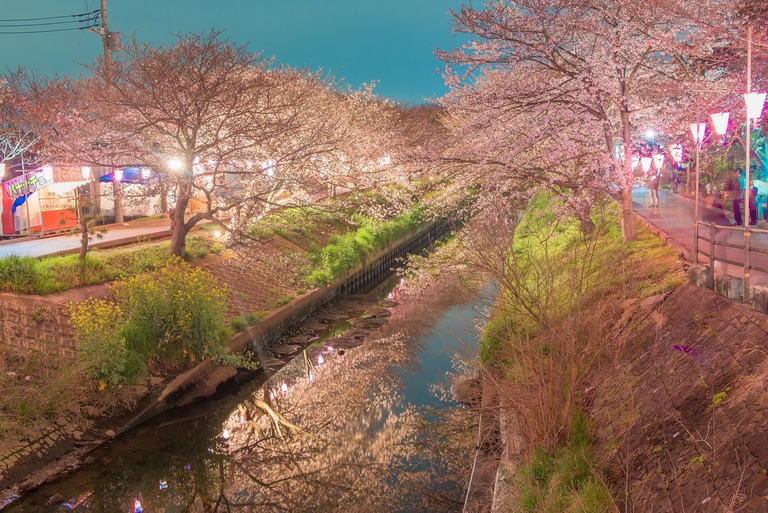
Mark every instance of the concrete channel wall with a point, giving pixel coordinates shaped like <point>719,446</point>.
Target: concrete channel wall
<point>203,380</point>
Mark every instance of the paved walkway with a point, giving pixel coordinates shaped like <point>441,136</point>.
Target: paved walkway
<point>70,243</point>
<point>675,216</point>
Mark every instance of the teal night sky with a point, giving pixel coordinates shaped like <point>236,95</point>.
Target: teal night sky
<point>387,41</point>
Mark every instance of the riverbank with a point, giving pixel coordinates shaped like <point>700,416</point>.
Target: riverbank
<point>65,446</point>
<point>354,399</point>
<point>669,377</point>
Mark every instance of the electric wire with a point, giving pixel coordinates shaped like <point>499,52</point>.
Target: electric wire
<point>46,23</point>
<point>87,20</point>
<point>50,17</point>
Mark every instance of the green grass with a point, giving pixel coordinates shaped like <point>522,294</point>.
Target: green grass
<point>563,480</point>
<point>349,249</point>
<point>561,275</point>
<point>48,275</point>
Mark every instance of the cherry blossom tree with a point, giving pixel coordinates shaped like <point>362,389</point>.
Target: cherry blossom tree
<point>221,128</point>
<point>17,137</point>
<point>568,83</point>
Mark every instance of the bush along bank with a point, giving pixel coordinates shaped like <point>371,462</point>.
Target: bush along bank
<point>561,290</point>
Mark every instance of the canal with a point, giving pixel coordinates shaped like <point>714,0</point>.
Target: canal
<point>361,421</point>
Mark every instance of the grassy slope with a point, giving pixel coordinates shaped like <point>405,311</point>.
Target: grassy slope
<point>547,337</point>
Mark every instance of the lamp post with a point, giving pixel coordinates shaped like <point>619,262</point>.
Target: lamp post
<point>698,130</point>
<point>754,103</point>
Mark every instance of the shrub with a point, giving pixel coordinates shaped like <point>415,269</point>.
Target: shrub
<point>173,314</point>
<point>99,325</point>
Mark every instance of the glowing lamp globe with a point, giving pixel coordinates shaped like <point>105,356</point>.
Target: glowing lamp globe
<point>755,102</point>
<point>645,162</point>
<point>698,130</point>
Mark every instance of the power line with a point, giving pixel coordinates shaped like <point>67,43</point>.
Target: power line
<point>90,19</point>
<point>47,31</point>
<point>50,17</point>
<point>47,23</point>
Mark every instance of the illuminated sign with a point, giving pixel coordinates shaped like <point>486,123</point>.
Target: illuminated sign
<point>35,180</point>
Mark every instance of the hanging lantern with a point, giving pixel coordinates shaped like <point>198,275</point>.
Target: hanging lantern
<point>720,122</point>
<point>86,171</point>
<point>646,163</point>
<point>698,131</point>
<point>754,103</point>
<point>118,174</point>
<point>635,161</point>
<point>676,150</point>
<point>658,160</point>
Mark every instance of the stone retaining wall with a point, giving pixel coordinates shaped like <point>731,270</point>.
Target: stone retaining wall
<point>36,323</point>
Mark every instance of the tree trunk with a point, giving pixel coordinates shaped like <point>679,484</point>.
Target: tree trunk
<point>83,239</point>
<point>179,229</point>
<point>627,178</point>
<point>118,189</point>
<point>627,218</point>
<point>82,199</point>
<point>586,224</point>
<point>178,232</point>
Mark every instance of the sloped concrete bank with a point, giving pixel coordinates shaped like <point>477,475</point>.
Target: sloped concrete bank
<point>67,449</point>
<point>203,380</point>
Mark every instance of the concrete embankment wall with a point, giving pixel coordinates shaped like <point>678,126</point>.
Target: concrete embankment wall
<point>203,380</point>
<point>41,323</point>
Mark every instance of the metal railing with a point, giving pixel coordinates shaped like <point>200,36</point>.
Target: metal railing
<point>747,250</point>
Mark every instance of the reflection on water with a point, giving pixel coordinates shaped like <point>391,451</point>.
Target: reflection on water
<point>335,430</point>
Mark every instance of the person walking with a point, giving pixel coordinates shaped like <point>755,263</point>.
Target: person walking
<point>653,187</point>
<point>734,190</point>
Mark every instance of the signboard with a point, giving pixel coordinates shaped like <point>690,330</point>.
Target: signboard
<point>34,180</point>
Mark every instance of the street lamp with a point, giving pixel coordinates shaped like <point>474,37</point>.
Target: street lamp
<point>658,161</point>
<point>175,164</point>
<point>754,102</point>
<point>698,131</point>
<point>645,162</point>
<point>720,122</point>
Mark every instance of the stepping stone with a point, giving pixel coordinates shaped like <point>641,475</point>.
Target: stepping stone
<point>357,333</point>
<point>378,312</point>
<point>267,362</point>
<point>303,339</point>
<point>316,326</point>
<point>332,316</point>
<point>286,349</point>
<point>386,303</point>
<point>343,342</point>
<point>369,323</point>
<point>352,306</point>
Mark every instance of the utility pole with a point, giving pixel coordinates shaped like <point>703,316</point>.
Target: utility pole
<point>110,41</point>
<point>106,40</point>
